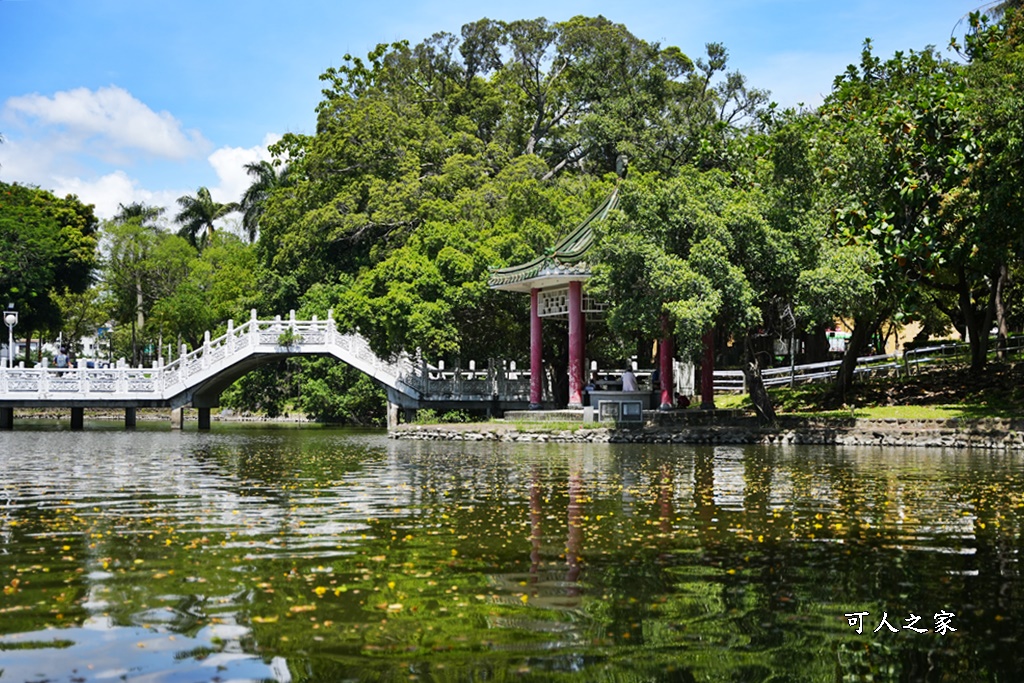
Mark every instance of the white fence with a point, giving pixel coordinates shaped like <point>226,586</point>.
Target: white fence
<point>733,380</point>
<point>909,363</point>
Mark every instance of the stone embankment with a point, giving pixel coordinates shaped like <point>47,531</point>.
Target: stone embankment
<point>993,434</point>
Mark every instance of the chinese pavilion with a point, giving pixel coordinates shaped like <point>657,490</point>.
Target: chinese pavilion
<point>556,282</point>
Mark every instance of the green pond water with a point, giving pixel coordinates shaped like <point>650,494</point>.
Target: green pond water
<point>305,554</point>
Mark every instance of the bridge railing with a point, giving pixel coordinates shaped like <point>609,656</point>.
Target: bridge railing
<point>279,335</point>
<point>438,383</point>
<point>47,382</point>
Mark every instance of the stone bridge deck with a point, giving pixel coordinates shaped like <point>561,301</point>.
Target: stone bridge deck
<point>197,378</point>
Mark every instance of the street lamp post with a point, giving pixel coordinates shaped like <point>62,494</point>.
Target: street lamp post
<point>10,319</point>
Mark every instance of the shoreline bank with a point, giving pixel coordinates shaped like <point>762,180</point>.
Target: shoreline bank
<point>988,433</point>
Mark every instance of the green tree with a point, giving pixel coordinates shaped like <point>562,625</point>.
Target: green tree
<point>995,77</point>
<point>48,246</point>
<point>696,252</point>
<point>219,284</point>
<point>82,314</point>
<point>198,214</point>
<point>432,162</point>
<point>132,236</point>
<point>895,154</point>
<point>141,213</point>
<point>267,177</point>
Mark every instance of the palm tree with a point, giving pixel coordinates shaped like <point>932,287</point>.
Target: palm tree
<point>198,214</point>
<point>131,250</point>
<point>143,214</point>
<point>266,179</point>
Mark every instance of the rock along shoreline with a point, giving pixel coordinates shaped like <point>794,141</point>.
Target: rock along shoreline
<point>989,433</point>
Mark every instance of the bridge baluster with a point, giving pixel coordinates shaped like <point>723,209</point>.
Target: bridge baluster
<point>254,332</point>
<point>230,339</point>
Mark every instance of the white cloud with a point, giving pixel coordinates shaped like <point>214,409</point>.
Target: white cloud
<point>109,121</point>
<point>113,189</point>
<point>36,162</point>
<point>229,164</point>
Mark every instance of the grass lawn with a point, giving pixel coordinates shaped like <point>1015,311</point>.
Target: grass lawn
<point>941,392</point>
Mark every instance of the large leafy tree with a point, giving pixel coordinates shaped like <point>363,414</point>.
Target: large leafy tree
<point>48,246</point>
<point>691,253</point>
<point>432,162</point>
<point>898,150</point>
<point>218,284</point>
<point>995,78</point>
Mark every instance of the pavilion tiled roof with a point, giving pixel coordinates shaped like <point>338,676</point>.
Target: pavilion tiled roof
<point>565,261</point>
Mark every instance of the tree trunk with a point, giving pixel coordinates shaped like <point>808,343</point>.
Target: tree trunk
<point>1003,333</point>
<point>755,384</point>
<point>977,333</point>
<point>140,316</point>
<point>863,330</point>
<point>816,345</point>
<point>135,348</point>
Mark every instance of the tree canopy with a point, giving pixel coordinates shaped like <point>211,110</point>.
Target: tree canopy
<point>47,247</point>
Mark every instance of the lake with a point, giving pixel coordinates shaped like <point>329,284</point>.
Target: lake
<point>316,554</point>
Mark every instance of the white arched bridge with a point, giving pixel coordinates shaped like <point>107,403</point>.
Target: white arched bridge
<point>197,378</point>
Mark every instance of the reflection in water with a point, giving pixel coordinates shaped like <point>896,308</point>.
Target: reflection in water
<point>322,555</point>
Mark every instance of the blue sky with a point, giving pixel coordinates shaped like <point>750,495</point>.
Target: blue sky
<point>136,100</point>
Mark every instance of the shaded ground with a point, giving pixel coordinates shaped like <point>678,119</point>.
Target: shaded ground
<point>997,390</point>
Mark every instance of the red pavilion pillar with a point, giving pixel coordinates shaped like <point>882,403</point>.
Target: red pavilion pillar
<point>575,344</point>
<point>536,352</point>
<point>666,350</point>
<point>707,372</point>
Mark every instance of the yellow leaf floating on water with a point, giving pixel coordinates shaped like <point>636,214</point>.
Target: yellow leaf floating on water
<point>302,608</point>
<point>265,620</point>
<point>524,598</point>
<point>320,590</point>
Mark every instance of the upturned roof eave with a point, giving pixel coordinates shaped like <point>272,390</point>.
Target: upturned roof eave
<point>568,252</point>
<point>542,280</point>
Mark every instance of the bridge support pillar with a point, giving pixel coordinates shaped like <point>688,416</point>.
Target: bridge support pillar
<point>77,419</point>
<point>204,419</point>
<point>6,418</point>
<point>177,418</point>
<point>392,415</point>
<point>129,418</point>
